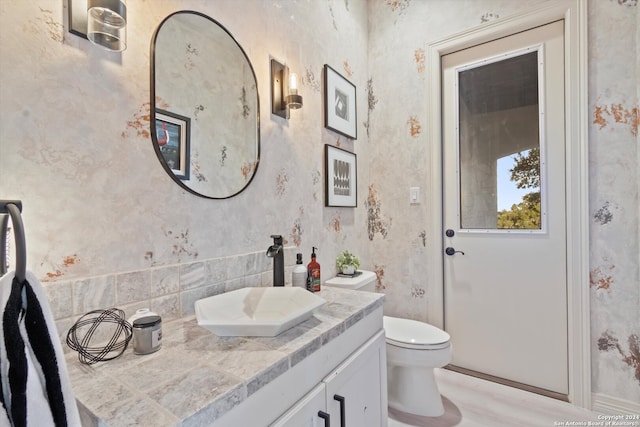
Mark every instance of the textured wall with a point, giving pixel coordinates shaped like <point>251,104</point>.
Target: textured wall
<point>398,33</point>
<point>614,162</point>
<point>75,137</point>
<point>100,212</point>
<point>76,146</point>
<point>105,225</point>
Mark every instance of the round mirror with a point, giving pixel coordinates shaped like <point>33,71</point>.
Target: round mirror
<point>205,124</point>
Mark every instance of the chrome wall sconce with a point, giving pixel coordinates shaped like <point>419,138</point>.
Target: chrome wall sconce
<point>284,90</point>
<point>102,22</point>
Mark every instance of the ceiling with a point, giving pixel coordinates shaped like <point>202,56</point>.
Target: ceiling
<point>501,85</point>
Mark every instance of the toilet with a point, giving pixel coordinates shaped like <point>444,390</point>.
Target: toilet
<point>414,350</point>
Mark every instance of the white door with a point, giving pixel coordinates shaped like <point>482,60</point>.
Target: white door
<point>505,286</point>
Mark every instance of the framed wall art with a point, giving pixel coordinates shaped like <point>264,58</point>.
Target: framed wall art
<point>340,170</point>
<point>339,104</point>
<point>173,135</point>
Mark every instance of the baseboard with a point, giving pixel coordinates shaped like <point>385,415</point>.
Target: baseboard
<point>509,383</point>
<point>610,405</point>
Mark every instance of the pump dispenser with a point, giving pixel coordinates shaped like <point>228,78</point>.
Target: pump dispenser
<point>313,273</point>
<point>299,273</point>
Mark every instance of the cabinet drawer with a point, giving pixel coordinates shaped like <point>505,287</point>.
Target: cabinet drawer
<point>305,412</point>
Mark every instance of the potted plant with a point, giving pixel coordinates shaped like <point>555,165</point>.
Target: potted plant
<point>347,263</point>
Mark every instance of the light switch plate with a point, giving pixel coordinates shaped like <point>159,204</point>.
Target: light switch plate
<point>414,195</point>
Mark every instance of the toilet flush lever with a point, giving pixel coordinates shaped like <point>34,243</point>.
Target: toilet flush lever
<point>450,251</point>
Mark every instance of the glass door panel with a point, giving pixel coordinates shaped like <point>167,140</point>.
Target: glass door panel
<point>499,144</point>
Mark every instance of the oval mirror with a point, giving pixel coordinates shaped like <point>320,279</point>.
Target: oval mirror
<point>205,124</point>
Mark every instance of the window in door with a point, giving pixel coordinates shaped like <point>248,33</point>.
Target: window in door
<point>499,144</point>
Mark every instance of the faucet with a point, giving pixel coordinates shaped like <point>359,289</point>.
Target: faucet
<point>276,251</point>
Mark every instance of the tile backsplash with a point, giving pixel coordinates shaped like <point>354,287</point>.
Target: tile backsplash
<point>170,291</point>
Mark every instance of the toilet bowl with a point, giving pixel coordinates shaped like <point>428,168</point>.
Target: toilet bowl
<point>414,350</point>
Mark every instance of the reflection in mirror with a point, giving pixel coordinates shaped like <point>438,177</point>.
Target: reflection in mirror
<point>204,106</point>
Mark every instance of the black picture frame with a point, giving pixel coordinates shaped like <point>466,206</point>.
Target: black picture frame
<point>341,177</point>
<point>340,112</point>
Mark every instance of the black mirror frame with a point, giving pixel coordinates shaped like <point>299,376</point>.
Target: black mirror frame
<point>152,106</point>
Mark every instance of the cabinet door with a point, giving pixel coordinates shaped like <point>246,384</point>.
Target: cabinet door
<point>358,387</point>
<point>305,412</point>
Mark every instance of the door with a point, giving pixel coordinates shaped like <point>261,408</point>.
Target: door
<point>505,285</point>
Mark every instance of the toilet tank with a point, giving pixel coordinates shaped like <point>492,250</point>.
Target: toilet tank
<point>366,281</point>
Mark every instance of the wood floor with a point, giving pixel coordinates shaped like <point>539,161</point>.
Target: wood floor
<point>473,402</point>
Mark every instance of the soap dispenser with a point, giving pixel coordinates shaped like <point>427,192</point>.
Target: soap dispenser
<point>299,273</point>
<point>313,273</point>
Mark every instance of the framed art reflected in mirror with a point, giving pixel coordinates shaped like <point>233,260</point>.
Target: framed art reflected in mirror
<point>173,131</point>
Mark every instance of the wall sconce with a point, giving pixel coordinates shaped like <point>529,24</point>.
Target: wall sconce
<point>284,90</point>
<point>294,101</point>
<point>103,22</point>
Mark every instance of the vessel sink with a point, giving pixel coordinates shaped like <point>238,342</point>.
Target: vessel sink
<point>262,312</point>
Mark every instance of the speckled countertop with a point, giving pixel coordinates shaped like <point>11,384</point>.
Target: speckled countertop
<point>197,371</point>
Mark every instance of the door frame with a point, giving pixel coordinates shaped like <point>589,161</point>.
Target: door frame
<point>574,12</point>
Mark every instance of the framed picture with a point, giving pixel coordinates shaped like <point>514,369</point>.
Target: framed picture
<point>340,170</point>
<point>173,137</point>
<point>339,104</point>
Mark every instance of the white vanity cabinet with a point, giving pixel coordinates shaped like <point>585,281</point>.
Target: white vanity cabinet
<point>352,395</point>
<point>249,381</point>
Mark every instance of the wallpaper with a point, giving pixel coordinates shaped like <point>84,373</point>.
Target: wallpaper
<point>103,219</point>
<point>76,144</point>
<point>399,31</point>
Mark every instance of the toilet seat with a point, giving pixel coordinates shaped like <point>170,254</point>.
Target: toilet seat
<point>407,333</point>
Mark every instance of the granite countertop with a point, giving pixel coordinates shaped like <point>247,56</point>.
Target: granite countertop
<point>196,370</point>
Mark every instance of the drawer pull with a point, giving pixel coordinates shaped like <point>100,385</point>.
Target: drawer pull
<point>340,399</point>
<point>325,417</point>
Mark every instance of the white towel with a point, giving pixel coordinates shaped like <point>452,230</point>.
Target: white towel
<point>36,390</point>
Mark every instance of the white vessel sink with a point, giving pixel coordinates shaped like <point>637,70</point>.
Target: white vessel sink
<point>262,312</point>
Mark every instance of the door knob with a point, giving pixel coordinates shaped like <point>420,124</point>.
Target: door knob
<point>450,251</point>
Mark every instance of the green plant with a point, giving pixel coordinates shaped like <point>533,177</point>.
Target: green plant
<point>345,259</point>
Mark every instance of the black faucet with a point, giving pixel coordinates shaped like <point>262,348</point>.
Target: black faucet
<point>276,251</point>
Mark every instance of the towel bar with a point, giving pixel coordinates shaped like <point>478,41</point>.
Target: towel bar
<point>13,208</point>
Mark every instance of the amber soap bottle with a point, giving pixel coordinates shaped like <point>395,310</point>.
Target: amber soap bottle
<point>313,269</point>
